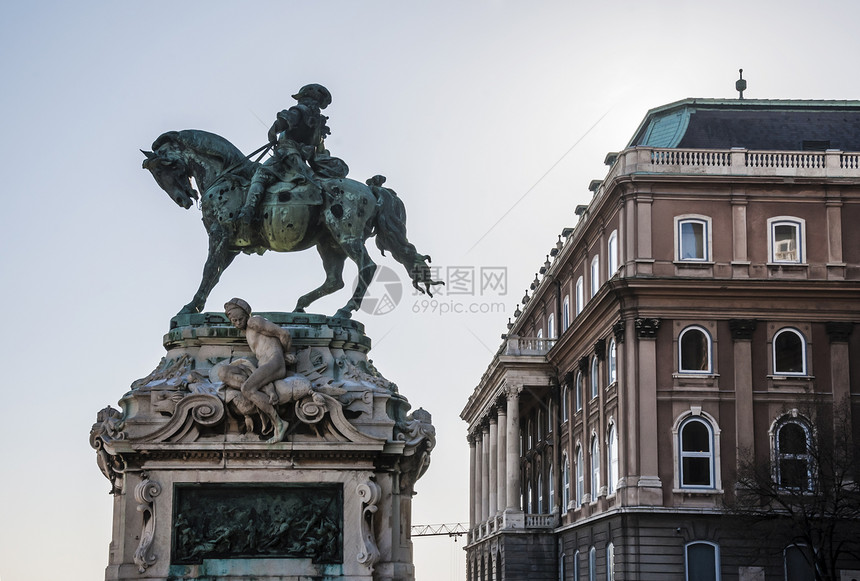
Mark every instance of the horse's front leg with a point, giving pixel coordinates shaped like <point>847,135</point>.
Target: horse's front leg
<point>366,268</point>
<point>332,258</point>
<point>220,257</point>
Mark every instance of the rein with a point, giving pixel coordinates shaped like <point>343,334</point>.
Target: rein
<point>262,151</point>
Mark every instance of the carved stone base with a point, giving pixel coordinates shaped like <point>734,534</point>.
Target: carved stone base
<point>201,493</point>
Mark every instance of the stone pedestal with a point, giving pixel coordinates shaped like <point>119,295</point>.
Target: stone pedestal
<point>200,493</point>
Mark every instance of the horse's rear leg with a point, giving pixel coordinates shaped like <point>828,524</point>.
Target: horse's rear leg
<point>220,257</point>
<point>333,259</point>
<point>366,268</point>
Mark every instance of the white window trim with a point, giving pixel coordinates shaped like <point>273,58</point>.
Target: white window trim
<point>687,558</point>
<point>804,347</point>
<point>708,239</point>
<point>612,254</point>
<point>800,224</point>
<point>595,377</point>
<point>716,472</point>
<point>592,564</point>
<point>610,561</point>
<point>612,458</point>
<point>565,482</point>
<point>595,468</point>
<point>565,403</point>
<point>565,314</point>
<point>793,417</point>
<point>550,326</point>
<point>710,355</point>
<point>580,389</point>
<point>594,274</point>
<point>580,295</point>
<point>612,359</point>
<point>580,476</point>
<point>551,491</point>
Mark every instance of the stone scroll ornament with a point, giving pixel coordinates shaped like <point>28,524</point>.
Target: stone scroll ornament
<point>145,494</point>
<point>300,197</point>
<point>369,492</point>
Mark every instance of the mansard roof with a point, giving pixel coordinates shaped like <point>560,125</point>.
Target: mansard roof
<point>762,124</point>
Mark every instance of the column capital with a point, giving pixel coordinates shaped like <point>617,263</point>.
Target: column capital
<point>646,328</point>
<point>618,331</point>
<point>600,349</point>
<point>511,391</point>
<point>742,329</point>
<point>838,331</point>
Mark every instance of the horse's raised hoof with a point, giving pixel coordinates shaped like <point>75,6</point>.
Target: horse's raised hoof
<point>343,314</point>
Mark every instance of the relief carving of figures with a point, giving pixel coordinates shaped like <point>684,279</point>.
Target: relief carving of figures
<point>224,521</point>
<point>144,494</point>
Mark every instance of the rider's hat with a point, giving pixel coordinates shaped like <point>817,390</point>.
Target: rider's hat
<point>316,92</point>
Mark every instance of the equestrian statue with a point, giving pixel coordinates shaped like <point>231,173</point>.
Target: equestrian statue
<point>298,198</point>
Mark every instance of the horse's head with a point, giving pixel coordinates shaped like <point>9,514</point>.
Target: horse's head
<point>170,170</point>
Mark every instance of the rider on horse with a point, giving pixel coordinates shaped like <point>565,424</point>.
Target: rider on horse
<point>300,157</point>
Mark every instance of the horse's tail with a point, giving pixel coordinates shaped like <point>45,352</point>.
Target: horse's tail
<point>390,230</point>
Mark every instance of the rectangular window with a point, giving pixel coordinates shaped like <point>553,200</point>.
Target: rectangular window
<point>786,240</point>
<point>692,238</point>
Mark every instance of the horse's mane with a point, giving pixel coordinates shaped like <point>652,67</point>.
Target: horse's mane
<point>205,143</point>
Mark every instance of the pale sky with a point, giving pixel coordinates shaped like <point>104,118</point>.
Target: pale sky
<point>464,105</point>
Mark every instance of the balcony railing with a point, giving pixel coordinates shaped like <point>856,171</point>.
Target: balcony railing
<point>737,161</point>
<point>528,345</point>
<point>503,521</point>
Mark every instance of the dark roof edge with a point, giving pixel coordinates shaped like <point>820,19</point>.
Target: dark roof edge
<point>807,104</point>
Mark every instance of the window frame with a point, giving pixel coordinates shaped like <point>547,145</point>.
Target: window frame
<point>799,225</point>
<point>565,482</point>
<point>716,548</point>
<point>612,362</point>
<point>565,314</point>
<point>707,242</point>
<point>709,356</point>
<point>579,295</point>
<point>595,377</point>
<point>594,457</point>
<point>580,391</point>
<point>803,347</point>
<point>683,454</point>
<point>610,561</point>
<point>611,459</point>
<point>550,490</point>
<point>565,403</point>
<point>550,326</point>
<point>594,274</point>
<point>580,476</point>
<point>612,254</point>
<point>592,563</point>
<point>794,419</point>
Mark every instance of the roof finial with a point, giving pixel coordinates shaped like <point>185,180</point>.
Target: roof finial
<point>741,84</point>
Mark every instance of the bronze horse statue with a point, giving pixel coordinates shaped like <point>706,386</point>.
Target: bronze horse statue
<point>337,225</point>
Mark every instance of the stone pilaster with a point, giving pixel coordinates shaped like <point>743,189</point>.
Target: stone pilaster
<point>650,487</point>
<point>742,332</point>
<point>485,471</point>
<point>513,449</point>
<point>472,466</point>
<point>838,332</point>
<point>492,461</point>
<point>501,459</point>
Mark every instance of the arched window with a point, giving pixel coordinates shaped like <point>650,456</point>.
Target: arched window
<point>693,238</point>
<point>576,566</point>
<point>793,454</point>
<point>595,467</point>
<point>565,483</point>
<point>612,254</point>
<point>702,560</point>
<point>787,237</point>
<point>696,454</point>
<point>595,275</point>
<point>549,407</point>
<point>580,387</point>
<point>612,359</point>
<point>540,494</point>
<point>612,459</point>
<point>530,499</point>
<point>580,295</point>
<point>694,350</point>
<point>565,314</point>
<point>789,352</point>
<point>530,430</point>
<point>539,425</point>
<point>580,476</point>
<point>610,562</point>
<point>592,564</point>
<point>551,485</point>
<point>565,403</point>
<point>595,377</point>
<point>798,563</point>
<point>550,327</point>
